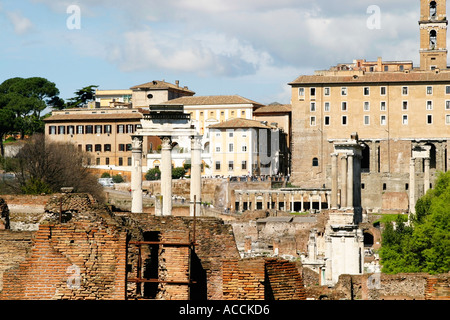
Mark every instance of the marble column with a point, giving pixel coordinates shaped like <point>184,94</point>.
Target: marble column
<point>344,181</point>
<point>350,181</point>
<point>196,175</point>
<point>241,204</point>
<point>302,205</point>
<point>426,177</point>
<point>136,174</point>
<point>320,201</point>
<point>328,200</point>
<point>412,185</point>
<point>334,180</point>
<point>166,176</point>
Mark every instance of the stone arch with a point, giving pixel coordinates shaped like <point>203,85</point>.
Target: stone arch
<point>372,237</point>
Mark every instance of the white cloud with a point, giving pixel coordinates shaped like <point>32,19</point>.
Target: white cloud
<point>20,23</point>
<point>259,42</point>
<point>204,54</point>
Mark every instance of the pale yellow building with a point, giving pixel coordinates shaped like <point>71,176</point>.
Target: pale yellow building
<point>105,98</point>
<point>243,147</point>
<point>395,111</point>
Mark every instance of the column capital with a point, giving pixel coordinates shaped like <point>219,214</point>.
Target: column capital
<point>196,142</point>
<point>136,142</point>
<point>166,142</point>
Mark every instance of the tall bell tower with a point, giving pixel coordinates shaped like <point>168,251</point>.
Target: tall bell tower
<point>433,34</point>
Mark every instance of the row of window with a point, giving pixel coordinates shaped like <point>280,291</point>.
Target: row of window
<point>383,120</point>
<point>105,147</point>
<point>107,162</point>
<point>92,129</point>
<point>231,148</point>
<point>222,113</point>
<point>383,106</point>
<point>231,165</point>
<point>366,91</point>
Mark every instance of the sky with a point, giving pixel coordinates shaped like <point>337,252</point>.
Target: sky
<point>252,48</point>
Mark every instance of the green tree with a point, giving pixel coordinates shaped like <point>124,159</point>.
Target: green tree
<point>22,101</point>
<point>82,97</point>
<point>425,246</point>
<point>153,174</point>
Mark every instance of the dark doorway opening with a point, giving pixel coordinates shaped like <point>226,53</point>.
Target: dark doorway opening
<point>151,265</point>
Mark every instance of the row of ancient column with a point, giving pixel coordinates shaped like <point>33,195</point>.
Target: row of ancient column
<point>166,176</point>
<point>268,198</point>
<point>412,181</point>
<point>347,180</point>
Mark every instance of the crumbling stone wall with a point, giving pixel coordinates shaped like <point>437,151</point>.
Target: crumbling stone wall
<point>81,258</point>
<point>402,286</point>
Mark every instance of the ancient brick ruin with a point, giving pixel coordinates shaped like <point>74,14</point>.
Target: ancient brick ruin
<point>80,250</point>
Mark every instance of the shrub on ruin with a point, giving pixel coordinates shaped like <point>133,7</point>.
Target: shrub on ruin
<point>153,174</point>
<point>178,172</point>
<point>117,178</point>
<point>45,167</point>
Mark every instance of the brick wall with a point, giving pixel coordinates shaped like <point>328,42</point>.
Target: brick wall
<point>215,241</point>
<point>14,248</point>
<point>87,243</point>
<point>243,279</point>
<point>438,288</point>
<point>262,279</point>
<point>284,280</point>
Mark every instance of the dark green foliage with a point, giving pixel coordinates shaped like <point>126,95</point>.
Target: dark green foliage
<point>178,172</point>
<point>425,245</point>
<point>117,178</point>
<point>153,174</point>
<point>21,102</point>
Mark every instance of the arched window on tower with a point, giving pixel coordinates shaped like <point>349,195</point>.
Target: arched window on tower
<point>433,39</point>
<point>433,9</point>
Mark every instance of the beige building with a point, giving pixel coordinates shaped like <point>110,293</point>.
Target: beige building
<point>141,96</point>
<point>395,111</point>
<point>103,133</point>
<point>156,92</point>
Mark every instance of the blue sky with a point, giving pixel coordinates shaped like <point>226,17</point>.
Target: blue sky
<point>253,48</point>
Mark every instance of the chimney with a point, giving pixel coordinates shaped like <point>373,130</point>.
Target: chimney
<point>177,82</point>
